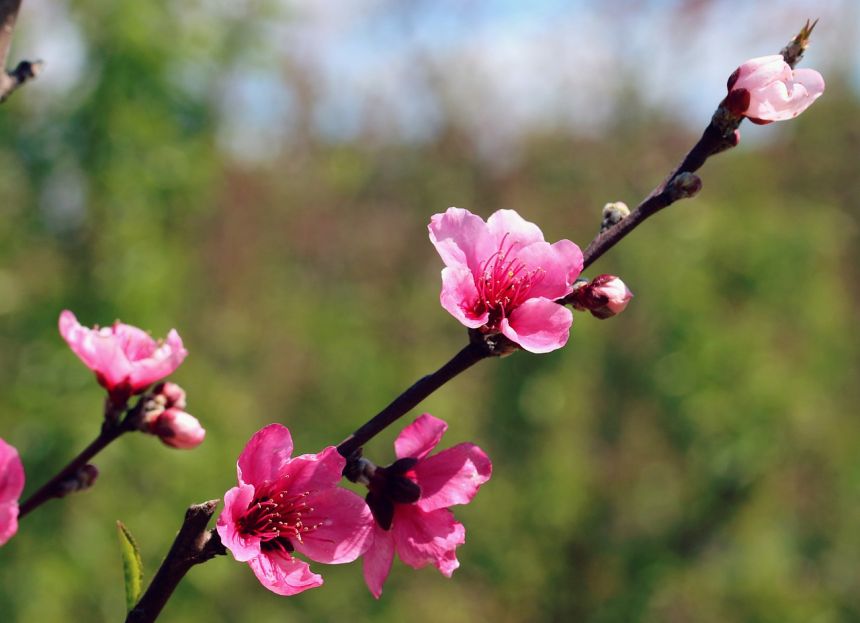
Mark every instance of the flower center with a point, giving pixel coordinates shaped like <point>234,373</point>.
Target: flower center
<point>504,284</point>
<point>277,519</point>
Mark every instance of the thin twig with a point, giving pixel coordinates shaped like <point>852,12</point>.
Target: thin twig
<point>465,359</point>
<point>717,137</point>
<point>112,428</point>
<point>194,544</point>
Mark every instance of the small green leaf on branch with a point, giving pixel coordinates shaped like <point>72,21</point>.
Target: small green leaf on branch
<point>131,566</point>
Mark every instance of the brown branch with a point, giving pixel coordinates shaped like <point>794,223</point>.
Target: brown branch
<point>11,80</point>
<point>720,135</point>
<point>77,475</point>
<point>194,544</point>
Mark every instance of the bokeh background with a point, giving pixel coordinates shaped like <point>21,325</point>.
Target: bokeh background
<point>259,175</point>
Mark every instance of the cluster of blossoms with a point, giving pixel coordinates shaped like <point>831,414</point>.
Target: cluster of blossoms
<point>285,505</point>
<point>502,280</point>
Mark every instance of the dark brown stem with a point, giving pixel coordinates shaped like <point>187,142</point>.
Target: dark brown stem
<point>465,359</point>
<point>194,544</point>
<point>717,137</point>
<point>55,487</point>
<point>112,427</point>
<point>26,70</point>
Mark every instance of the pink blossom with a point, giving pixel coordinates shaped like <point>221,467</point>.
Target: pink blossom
<point>178,429</point>
<point>502,277</point>
<point>284,505</point>
<point>410,501</point>
<point>126,359</point>
<point>766,89</point>
<point>11,485</point>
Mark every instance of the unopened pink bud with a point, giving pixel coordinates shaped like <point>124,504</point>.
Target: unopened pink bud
<point>172,395</point>
<point>604,296</point>
<point>766,89</point>
<point>613,291</point>
<point>178,429</point>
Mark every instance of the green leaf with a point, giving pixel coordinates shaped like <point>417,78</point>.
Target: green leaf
<point>131,565</point>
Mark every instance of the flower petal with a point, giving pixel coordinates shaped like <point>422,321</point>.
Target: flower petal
<point>313,472</point>
<point>161,362</point>
<point>419,438</point>
<point>8,521</point>
<point>538,325</point>
<point>100,350</point>
<point>452,476</point>
<point>459,296</point>
<point>422,538</point>
<point>559,265</point>
<point>509,226</point>
<point>377,560</point>
<point>343,527</point>
<point>461,238</point>
<point>266,455</point>
<point>283,574</point>
<point>11,473</point>
<point>236,501</point>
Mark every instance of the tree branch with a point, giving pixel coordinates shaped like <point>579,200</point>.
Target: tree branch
<point>194,544</point>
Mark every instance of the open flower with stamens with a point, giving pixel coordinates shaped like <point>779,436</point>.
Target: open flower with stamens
<point>11,485</point>
<point>503,277</point>
<point>126,359</point>
<point>285,505</point>
<point>410,500</point>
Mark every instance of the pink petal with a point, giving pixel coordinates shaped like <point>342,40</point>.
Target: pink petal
<point>419,438</point>
<point>236,501</point>
<point>459,296</point>
<point>452,476</point>
<point>283,574</point>
<point>757,72</point>
<point>538,325</point>
<point>509,226</point>
<point>8,521</point>
<point>11,473</point>
<point>423,538</point>
<point>461,238</point>
<point>343,527</point>
<point>100,350</point>
<point>11,485</point>
<point>559,265</point>
<point>314,472</point>
<point>266,455</point>
<point>377,560</point>
<point>161,362</point>
<point>179,429</point>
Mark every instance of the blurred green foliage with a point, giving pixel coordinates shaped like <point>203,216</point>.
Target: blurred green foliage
<point>694,459</point>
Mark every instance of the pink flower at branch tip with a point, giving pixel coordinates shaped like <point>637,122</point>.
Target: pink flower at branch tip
<point>501,276</point>
<point>284,505</point>
<point>11,485</point>
<point>766,89</point>
<point>410,500</point>
<point>126,359</point>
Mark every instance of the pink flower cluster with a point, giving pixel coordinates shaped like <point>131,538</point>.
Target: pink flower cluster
<point>11,485</point>
<point>287,505</point>
<point>503,277</point>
